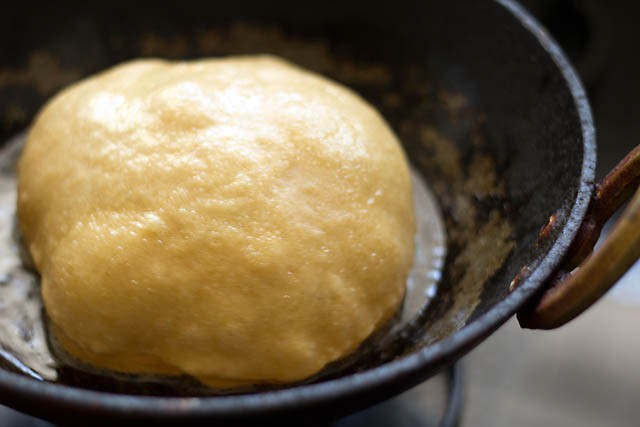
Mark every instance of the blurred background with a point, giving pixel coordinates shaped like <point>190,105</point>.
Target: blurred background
<point>586,373</point>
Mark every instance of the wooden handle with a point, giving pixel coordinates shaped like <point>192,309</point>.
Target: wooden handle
<point>586,275</point>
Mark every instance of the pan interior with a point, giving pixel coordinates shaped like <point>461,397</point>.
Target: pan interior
<point>498,145</point>
<point>432,123</point>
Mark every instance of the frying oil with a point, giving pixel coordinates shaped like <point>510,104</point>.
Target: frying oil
<point>24,343</point>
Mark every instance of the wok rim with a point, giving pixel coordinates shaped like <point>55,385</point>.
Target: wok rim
<point>25,393</point>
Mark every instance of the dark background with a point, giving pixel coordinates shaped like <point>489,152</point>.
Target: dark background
<point>601,38</point>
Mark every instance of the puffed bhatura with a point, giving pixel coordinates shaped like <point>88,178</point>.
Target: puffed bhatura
<point>239,220</point>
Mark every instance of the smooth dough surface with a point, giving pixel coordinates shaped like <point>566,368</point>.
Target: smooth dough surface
<point>239,220</point>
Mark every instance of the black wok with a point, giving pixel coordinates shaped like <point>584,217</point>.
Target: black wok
<point>486,104</point>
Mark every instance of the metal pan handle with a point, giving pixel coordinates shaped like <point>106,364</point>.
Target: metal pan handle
<point>586,275</point>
